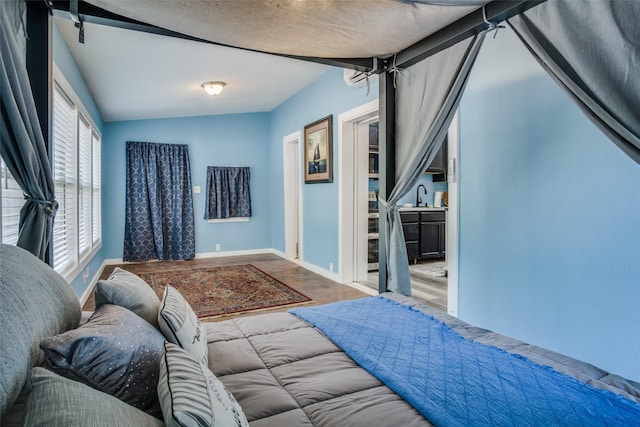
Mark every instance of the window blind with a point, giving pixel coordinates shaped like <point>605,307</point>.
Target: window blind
<point>85,228</point>
<point>64,174</point>
<point>96,205</point>
<point>12,201</point>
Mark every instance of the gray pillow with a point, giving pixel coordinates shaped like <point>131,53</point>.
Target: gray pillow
<point>190,394</point>
<point>35,302</point>
<point>127,290</point>
<point>116,352</point>
<point>57,401</point>
<point>181,326</point>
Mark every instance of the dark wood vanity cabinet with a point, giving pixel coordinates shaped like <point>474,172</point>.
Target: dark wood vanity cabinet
<point>411,228</point>
<point>424,234</point>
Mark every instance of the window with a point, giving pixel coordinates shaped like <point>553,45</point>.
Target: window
<point>77,228</point>
<point>12,200</point>
<point>96,204</point>
<point>85,228</point>
<point>76,175</point>
<point>65,178</point>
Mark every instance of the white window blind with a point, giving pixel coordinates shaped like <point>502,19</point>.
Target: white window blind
<point>77,230</point>
<point>12,201</point>
<point>96,206</point>
<point>65,133</point>
<point>85,227</point>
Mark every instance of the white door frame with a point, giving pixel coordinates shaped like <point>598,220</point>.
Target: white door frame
<point>347,155</point>
<point>453,219</point>
<point>291,161</point>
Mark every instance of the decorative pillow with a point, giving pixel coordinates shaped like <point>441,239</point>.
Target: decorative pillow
<point>57,401</point>
<point>181,326</point>
<point>127,290</point>
<point>190,394</point>
<point>116,352</point>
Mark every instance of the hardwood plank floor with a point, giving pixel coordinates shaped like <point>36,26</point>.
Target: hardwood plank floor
<point>320,289</point>
<point>425,287</point>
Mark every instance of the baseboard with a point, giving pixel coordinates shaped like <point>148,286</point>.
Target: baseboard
<point>362,288</point>
<point>94,281</point>
<point>233,253</point>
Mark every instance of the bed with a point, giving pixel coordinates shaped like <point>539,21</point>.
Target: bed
<point>354,363</point>
<point>284,371</point>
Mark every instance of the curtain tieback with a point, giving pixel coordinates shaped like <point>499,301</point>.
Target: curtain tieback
<point>389,207</point>
<point>395,71</point>
<point>51,205</point>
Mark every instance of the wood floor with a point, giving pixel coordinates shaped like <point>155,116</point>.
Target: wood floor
<point>320,289</point>
<point>425,287</point>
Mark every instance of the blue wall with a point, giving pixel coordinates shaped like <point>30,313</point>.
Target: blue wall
<point>67,66</point>
<point>432,187</point>
<point>549,208</point>
<point>225,140</point>
<point>328,95</point>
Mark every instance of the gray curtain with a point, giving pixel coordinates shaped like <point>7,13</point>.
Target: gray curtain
<point>592,50</point>
<point>22,144</point>
<point>427,97</point>
<point>228,193</point>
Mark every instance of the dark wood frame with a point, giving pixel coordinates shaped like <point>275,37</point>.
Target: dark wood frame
<point>318,137</point>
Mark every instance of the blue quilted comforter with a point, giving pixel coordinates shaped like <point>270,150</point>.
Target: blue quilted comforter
<point>456,382</point>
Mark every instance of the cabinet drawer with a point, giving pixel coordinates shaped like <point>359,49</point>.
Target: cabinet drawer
<point>409,216</point>
<point>411,232</point>
<point>432,216</point>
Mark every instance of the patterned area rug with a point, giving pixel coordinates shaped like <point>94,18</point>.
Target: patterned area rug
<point>217,291</point>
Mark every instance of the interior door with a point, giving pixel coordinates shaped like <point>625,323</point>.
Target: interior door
<point>291,172</point>
<point>361,201</point>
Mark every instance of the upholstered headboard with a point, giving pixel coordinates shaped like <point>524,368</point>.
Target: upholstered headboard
<point>35,302</point>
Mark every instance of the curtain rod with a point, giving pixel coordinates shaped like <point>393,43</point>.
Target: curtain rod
<point>467,26</point>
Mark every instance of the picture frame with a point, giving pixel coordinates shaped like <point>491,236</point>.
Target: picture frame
<point>318,151</point>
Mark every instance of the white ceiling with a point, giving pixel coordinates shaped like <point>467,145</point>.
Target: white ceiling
<point>134,75</point>
<point>317,28</point>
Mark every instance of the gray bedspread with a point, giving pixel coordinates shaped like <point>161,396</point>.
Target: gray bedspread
<point>284,372</point>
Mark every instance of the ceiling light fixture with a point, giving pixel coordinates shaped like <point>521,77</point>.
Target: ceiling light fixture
<point>213,88</point>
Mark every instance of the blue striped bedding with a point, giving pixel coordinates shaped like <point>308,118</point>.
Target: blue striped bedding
<point>452,381</point>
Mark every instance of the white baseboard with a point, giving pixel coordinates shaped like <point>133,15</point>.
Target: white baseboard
<point>362,288</point>
<point>94,281</point>
<point>233,253</point>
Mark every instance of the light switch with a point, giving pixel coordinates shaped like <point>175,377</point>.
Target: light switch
<point>451,170</point>
<point>196,189</point>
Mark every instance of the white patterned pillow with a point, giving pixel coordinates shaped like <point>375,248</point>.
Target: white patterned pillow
<point>191,395</point>
<point>180,325</point>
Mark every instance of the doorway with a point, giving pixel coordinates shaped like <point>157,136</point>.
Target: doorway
<point>292,198</point>
<point>353,167</point>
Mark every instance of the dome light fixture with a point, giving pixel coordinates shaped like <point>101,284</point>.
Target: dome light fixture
<point>213,88</point>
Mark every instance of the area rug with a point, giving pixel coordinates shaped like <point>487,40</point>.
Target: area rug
<point>218,291</point>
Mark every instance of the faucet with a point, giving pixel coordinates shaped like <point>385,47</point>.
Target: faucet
<point>418,199</point>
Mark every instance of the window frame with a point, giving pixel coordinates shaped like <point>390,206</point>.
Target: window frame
<point>82,254</point>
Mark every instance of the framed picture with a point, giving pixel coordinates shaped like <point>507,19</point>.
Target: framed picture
<point>318,151</point>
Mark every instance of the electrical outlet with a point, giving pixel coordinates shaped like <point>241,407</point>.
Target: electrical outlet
<point>218,247</point>
<point>331,267</point>
<point>86,273</point>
